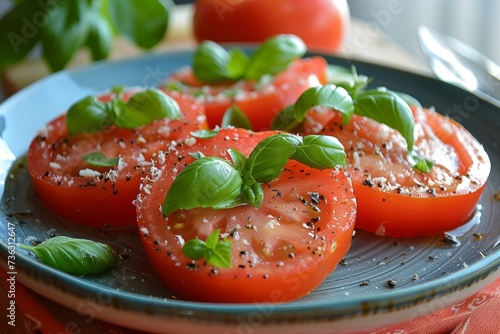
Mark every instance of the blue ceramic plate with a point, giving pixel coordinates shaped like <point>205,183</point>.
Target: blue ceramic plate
<point>130,295</point>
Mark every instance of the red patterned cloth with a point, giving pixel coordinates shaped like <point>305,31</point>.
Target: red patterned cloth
<point>478,314</point>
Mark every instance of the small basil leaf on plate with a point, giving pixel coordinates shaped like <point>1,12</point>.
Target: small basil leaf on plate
<point>206,182</point>
<point>274,55</point>
<point>87,115</point>
<point>239,160</point>
<point>234,116</point>
<point>387,108</point>
<point>145,107</point>
<point>320,152</point>
<point>253,194</point>
<point>268,158</point>
<point>75,256</point>
<point>98,159</point>
<point>328,95</point>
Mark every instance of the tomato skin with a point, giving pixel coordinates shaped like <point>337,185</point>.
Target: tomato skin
<point>421,204</point>
<point>55,161</point>
<point>278,275</point>
<point>321,24</point>
<point>260,105</point>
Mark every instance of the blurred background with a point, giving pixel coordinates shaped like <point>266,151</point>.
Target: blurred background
<point>474,22</point>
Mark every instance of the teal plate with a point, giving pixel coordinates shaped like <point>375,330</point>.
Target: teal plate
<point>430,273</point>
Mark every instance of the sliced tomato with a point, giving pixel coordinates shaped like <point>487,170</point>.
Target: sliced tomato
<point>396,200</point>
<point>260,101</point>
<point>102,196</point>
<point>280,251</point>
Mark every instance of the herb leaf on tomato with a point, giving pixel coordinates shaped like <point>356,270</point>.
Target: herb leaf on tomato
<point>91,115</point>
<point>217,183</point>
<point>75,256</point>
<point>98,159</point>
<point>216,251</point>
<point>274,55</point>
<point>212,63</point>
<point>234,116</point>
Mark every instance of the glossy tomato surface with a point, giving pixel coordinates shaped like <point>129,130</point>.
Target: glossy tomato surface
<point>101,196</point>
<point>280,251</point>
<point>321,24</point>
<point>260,102</point>
<point>396,200</point>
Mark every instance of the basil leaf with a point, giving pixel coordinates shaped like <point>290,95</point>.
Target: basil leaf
<point>145,107</point>
<point>387,108</point>
<point>98,159</point>
<point>194,249</point>
<point>419,162</point>
<point>205,133</point>
<point>320,152</point>
<point>221,255</point>
<point>347,79</point>
<point>212,63</point>
<point>100,36</point>
<point>75,256</point>
<point>285,120</point>
<point>410,100</point>
<point>234,116</point>
<point>65,32</point>
<point>274,55</point>
<point>239,160</point>
<point>215,251</point>
<point>328,95</point>
<point>268,158</point>
<point>144,22</point>
<point>209,181</point>
<point>19,34</point>
<point>253,193</point>
<point>87,115</point>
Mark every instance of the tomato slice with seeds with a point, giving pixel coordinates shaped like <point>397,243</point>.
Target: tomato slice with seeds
<point>102,196</point>
<point>260,101</point>
<point>396,200</point>
<point>280,251</point>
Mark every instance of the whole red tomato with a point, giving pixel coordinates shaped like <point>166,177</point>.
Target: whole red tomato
<point>320,23</point>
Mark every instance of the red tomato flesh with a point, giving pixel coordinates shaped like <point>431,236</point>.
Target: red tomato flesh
<point>396,200</point>
<point>101,196</point>
<point>260,103</point>
<point>280,252</point>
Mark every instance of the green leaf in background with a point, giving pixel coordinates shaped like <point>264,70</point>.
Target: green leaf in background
<point>100,36</point>
<point>98,159</point>
<point>213,63</point>
<point>387,108</point>
<point>75,256</point>
<point>19,32</point>
<point>234,116</point>
<point>65,32</point>
<point>144,22</point>
<point>274,55</point>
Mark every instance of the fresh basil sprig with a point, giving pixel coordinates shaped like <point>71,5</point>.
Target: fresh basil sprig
<point>75,256</point>
<point>98,159</point>
<point>217,183</point>
<point>212,63</point>
<point>216,251</point>
<point>92,115</point>
<point>234,116</point>
<point>350,96</point>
